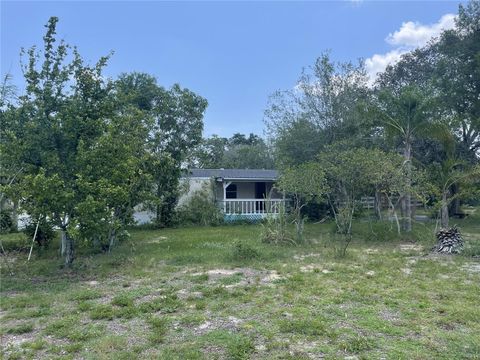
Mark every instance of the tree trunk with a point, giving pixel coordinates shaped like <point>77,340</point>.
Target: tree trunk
<point>67,248</point>
<point>378,205</point>
<point>454,206</point>
<point>407,205</point>
<point>444,211</point>
<point>15,216</point>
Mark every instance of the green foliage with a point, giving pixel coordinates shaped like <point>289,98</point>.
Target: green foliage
<point>275,228</point>
<point>6,222</point>
<point>200,209</point>
<point>323,108</point>
<point>243,251</point>
<point>45,233</point>
<point>304,183</point>
<point>159,328</point>
<point>102,311</point>
<point>237,152</point>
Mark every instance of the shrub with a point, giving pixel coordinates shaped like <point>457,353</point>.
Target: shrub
<point>6,222</point>
<point>244,251</point>
<point>45,232</point>
<point>200,210</point>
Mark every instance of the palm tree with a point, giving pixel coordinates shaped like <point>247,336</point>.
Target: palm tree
<point>405,114</point>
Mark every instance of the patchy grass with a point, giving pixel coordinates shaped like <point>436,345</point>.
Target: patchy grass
<point>219,293</point>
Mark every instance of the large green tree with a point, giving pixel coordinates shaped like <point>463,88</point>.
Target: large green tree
<point>175,129</point>
<point>63,109</point>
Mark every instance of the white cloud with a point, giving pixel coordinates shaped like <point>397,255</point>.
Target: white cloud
<point>411,35</point>
<point>379,62</point>
<point>415,34</point>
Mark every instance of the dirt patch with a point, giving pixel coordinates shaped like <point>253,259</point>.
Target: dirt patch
<point>157,240</point>
<point>231,324</point>
<point>411,247</point>
<point>389,315</point>
<point>303,257</point>
<point>472,267</point>
<point>248,276</point>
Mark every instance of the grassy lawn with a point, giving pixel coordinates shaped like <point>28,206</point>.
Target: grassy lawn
<point>193,293</point>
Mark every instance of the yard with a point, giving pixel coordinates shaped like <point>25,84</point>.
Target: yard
<point>219,293</point>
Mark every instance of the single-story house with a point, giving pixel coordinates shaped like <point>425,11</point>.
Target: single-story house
<point>240,193</point>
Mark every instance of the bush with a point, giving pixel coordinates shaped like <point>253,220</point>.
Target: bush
<point>6,222</point>
<point>200,210</point>
<point>45,233</point>
<point>244,251</point>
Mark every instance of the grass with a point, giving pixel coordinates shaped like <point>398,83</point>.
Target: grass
<point>219,293</point>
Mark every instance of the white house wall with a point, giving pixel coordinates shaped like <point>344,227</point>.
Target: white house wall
<point>194,185</point>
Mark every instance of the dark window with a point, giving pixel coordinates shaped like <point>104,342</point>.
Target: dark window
<point>231,191</point>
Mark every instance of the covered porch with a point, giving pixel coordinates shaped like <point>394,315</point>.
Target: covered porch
<point>248,199</point>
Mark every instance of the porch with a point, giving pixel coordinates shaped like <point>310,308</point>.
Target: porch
<point>242,199</point>
<point>250,209</point>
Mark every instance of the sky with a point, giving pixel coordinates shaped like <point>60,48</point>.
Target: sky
<point>235,54</point>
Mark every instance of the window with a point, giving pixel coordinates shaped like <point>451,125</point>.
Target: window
<point>231,191</point>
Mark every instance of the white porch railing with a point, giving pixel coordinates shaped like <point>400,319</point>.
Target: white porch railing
<point>251,206</point>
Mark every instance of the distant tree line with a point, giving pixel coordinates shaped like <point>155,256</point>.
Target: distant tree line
<point>236,152</point>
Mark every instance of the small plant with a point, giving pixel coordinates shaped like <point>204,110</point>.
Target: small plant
<point>244,251</point>
<point>122,300</point>
<point>102,312</point>
<point>159,327</point>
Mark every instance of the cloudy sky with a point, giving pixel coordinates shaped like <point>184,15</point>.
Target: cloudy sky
<point>233,53</point>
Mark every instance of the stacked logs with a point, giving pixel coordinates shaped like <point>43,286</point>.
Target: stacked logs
<point>449,241</point>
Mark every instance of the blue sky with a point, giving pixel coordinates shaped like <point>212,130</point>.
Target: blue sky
<point>235,54</point>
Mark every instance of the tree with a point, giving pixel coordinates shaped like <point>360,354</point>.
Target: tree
<point>322,109</point>
<point>304,183</point>
<point>236,152</point>
<point>406,114</point>
<point>449,68</point>
<point>176,128</point>
<point>113,177</point>
<point>54,122</point>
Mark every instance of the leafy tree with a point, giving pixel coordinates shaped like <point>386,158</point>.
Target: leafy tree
<point>236,152</point>
<point>304,183</point>
<point>406,114</point>
<point>323,108</point>
<point>64,108</point>
<point>176,128</point>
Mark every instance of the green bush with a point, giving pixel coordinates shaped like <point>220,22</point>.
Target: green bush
<point>244,251</point>
<point>45,233</point>
<point>200,210</point>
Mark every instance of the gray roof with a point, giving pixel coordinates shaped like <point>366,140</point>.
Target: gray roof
<point>235,174</point>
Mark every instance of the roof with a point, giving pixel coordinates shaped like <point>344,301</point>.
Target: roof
<point>235,174</point>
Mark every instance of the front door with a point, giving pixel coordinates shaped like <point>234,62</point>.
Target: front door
<point>260,193</point>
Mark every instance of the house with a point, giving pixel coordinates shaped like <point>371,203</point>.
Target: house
<point>240,193</point>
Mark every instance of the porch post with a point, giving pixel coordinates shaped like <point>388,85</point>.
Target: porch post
<point>225,185</point>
